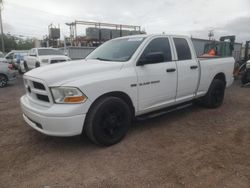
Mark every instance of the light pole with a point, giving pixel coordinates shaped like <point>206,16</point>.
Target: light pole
<point>1,23</point>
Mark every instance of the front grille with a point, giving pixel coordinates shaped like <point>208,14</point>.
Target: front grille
<point>57,61</point>
<point>42,97</point>
<point>37,91</point>
<point>38,86</point>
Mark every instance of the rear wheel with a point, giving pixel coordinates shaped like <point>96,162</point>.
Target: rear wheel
<point>215,95</point>
<point>3,80</point>
<point>108,121</point>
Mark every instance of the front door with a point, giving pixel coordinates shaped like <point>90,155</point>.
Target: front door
<point>157,81</point>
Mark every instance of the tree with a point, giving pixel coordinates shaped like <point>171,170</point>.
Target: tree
<point>9,43</point>
<point>16,43</point>
<point>26,44</point>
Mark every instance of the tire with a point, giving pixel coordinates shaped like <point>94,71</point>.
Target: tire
<point>37,64</point>
<point>108,121</point>
<point>26,66</point>
<point>20,70</point>
<point>3,80</point>
<point>242,68</point>
<point>215,95</point>
<point>244,79</point>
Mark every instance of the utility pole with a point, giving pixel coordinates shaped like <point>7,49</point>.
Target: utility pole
<point>1,22</point>
<point>210,34</point>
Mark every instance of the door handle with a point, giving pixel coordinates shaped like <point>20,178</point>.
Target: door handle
<point>194,67</point>
<point>171,70</point>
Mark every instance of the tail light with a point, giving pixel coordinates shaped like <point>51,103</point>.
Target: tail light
<point>10,66</point>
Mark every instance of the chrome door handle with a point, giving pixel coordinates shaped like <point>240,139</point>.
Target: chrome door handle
<point>194,67</point>
<point>171,70</point>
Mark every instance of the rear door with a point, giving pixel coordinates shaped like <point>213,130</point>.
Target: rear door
<point>157,82</point>
<point>188,70</point>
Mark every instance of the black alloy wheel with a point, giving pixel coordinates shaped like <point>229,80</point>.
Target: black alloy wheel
<point>108,121</point>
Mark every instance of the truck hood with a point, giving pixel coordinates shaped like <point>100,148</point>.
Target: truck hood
<point>62,73</point>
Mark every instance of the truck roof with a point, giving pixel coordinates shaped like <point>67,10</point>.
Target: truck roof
<point>152,35</point>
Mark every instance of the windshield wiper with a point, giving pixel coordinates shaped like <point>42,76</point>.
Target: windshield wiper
<point>102,59</point>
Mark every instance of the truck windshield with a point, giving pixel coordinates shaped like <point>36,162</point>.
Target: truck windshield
<point>117,50</point>
<point>45,51</point>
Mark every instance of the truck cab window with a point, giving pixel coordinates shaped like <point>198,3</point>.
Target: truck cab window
<point>159,45</point>
<point>182,49</point>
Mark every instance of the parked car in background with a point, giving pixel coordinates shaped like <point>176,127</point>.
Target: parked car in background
<point>77,52</point>
<point>14,57</point>
<point>123,78</point>
<point>18,57</point>
<point>38,57</point>
<point>9,56</point>
<point>7,73</point>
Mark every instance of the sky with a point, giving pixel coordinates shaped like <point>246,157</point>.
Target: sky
<point>195,18</point>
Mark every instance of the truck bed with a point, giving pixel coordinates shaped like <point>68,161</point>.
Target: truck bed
<point>210,66</point>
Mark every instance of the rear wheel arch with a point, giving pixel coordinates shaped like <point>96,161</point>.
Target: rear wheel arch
<point>215,94</point>
<point>220,76</point>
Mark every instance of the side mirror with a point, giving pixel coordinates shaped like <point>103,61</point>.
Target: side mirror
<point>151,58</point>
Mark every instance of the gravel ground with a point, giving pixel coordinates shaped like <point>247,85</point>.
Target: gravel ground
<point>194,147</point>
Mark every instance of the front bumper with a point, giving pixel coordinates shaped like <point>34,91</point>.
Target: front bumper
<point>51,123</point>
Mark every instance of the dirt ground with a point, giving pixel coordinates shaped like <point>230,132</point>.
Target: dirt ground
<point>194,147</point>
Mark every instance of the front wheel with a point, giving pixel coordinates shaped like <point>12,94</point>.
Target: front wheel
<point>108,121</point>
<point>215,95</point>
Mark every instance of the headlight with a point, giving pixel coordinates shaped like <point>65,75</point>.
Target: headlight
<point>45,60</point>
<point>67,95</point>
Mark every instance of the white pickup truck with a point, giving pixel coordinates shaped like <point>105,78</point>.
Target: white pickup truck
<point>123,78</point>
<point>38,57</point>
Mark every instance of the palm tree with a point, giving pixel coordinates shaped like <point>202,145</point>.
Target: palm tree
<point>1,23</point>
